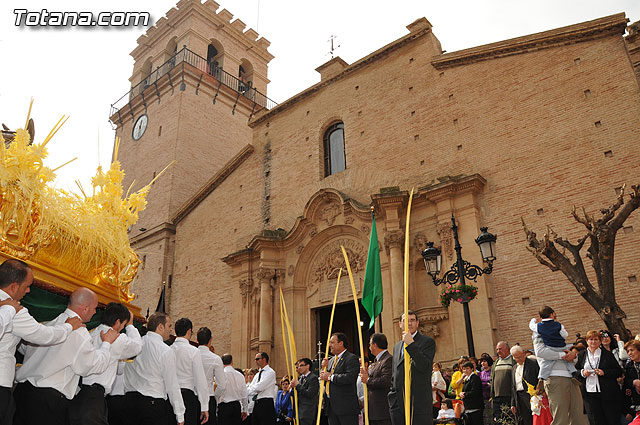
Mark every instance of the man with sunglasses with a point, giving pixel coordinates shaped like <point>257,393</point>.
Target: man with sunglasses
<point>262,391</point>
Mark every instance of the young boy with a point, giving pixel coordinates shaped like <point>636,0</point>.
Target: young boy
<point>553,335</point>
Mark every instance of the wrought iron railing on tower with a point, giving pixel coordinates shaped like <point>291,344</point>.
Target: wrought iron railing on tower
<point>174,69</point>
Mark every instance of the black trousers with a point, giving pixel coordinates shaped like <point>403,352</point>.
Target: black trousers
<point>7,406</point>
<point>600,411</point>
<point>264,412</point>
<point>213,414</point>
<point>344,419</point>
<point>116,410</point>
<point>524,407</point>
<point>192,406</point>
<point>230,413</point>
<point>475,418</point>
<point>89,406</point>
<point>143,410</point>
<point>36,405</point>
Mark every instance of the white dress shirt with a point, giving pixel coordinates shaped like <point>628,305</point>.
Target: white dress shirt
<point>60,366</point>
<point>190,371</point>
<point>264,384</point>
<point>118,383</point>
<point>7,312</point>
<point>518,378</point>
<point>25,327</point>
<point>126,346</point>
<point>591,363</point>
<point>234,390</point>
<point>153,373</point>
<point>213,369</point>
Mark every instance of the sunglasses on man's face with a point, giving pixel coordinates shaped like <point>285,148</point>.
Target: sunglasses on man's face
<point>258,358</point>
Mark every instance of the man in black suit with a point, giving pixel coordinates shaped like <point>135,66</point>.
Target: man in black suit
<point>341,374</point>
<point>422,349</point>
<point>471,395</point>
<point>378,380</point>
<point>307,389</point>
<point>525,371</point>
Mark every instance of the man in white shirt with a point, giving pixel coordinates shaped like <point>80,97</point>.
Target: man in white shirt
<point>89,405</point>
<point>49,375</point>
<point>152,377</point>
<point>193,384</point>
<point>15,281</point>
<point>213,370</point>
<point>232,399</point>
<point>8,309</point>
<point>263,391</point>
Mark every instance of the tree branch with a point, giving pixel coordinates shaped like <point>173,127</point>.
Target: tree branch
<point>629,207</point>
<point>609,213</point>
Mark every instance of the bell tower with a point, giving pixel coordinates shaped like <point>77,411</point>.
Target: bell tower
<point>198,77</point>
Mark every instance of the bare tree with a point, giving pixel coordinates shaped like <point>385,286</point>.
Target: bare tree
<point>601,235</point>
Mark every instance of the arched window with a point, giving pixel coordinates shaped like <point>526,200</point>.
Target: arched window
<point>334,159</point>
<point>215,58</point>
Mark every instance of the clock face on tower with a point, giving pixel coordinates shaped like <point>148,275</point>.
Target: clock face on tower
<point>140,126</point>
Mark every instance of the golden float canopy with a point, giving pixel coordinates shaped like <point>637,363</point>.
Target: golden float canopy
<point>69,240</point>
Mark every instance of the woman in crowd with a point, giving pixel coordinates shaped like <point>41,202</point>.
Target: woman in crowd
<point>485,378</point>
<point>632,376</point>
<point>457,380</point>
<point>598,371</point>
<point>284,408</point>
<point>617,349</point>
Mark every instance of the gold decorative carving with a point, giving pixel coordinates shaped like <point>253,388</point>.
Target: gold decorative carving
<point>446,238</point>
<point>365,229</point>
<point>81,239</point>
<point>349,220</point>
<point>291,270</point>
<point>299,249</point>
<point>313,232</point>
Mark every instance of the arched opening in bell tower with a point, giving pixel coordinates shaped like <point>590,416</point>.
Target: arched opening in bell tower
<point>215,58</point>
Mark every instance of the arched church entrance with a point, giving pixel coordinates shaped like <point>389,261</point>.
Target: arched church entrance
<point>344,321</point>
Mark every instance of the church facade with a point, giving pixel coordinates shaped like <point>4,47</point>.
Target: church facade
<point>262,196</point>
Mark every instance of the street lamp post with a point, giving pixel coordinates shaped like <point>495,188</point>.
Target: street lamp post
<point>461,270</point>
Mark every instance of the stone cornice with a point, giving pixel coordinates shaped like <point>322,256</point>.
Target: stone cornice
<point>609,25</point>
<point>238,257</point>
<point>385,50</point>
<point>213,183</point>
<point>450,186</point>
<point>383,199</point>
<point>208,12</point>
<point>158,230</point>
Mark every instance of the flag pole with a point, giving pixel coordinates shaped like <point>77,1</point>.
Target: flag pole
<point>407,357</point>
<point>362,364</point>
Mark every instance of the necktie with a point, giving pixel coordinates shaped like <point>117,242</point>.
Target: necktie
<point>255,397</point>
<point>333,367</point>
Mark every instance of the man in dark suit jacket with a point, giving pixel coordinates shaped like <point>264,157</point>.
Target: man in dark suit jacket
<point>378,380</point>
<point>422,349</point>
<point>471,395</point>
<point>341,395</point>
<point>527,370</point>
<point>307,389</point>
